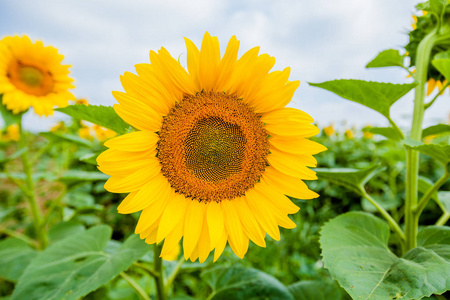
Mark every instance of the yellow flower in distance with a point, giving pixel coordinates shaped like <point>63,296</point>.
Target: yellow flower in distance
<point>349,134</point>
<point>216,151</point>
<point>329,130</point>
<point>103,133</point>
<point>32,75</point>
<point>12,133</point>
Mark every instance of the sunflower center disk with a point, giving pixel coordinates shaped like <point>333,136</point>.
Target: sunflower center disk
<point>30,79</point>
<point>212,147</point>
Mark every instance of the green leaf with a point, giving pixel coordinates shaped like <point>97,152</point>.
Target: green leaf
<point>438,6</point>
<point>90,158</point>
<point>77,176</point>
<point>15,256</point>
<point>424,184</point>
<point>355,250</point>
<point>66,137</point>
<point>387,132</point>
<point>435,129</point>
<point>64,230</point>
<point>244,283</point>
<point>387,58</point>
<point>438,152</point>
<point>77,265</point>
<point>315,289</point>
<point>444,199</point>
<point>101,115</point>
<point>8,115</point>
<point>352,179</point>
<point>378,96</point>
<point>441,62</point>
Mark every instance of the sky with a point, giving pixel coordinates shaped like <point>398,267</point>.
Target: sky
<point>320,40</point>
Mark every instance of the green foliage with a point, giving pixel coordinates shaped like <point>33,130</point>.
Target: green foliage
<point>378,96</point>
<point>101,115</point>
<point>355,250</point>
<point>439,152</point>
<point>77,265</point>
<point>387,132</point>
<point>442,63</point>
<point>66,137</point>
<point>244,283</point>
<point>8,117</point>
<point>317,290</point>
<point>387,58</point>
<point>15,255</point>
<point>435,129</point>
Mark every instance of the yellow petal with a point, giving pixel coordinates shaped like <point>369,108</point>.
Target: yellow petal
<point>265,217</point>
<point>287,185</point>
<point>220,245</point>
<point>134,181</point>
<point>290,165</point>
<point>171,242</point>
<point>151,238</point>
<point>227,64</point>
<point>134,141</point>
<point>276,198</point>
<point>156,189</point>
<point>275,210</point>
<point>277,99</point>
<point>249,223</point>
<point>193,226</point>
<point>208,61</point>
<point>234,228</point>
<point>204,246</point>
<point>214,217</point>
<point>174,212</point>
<point>292,128</point>
<point>193,62</point>
<point>296,145</point>
<point>150,215</point>
<point>286,114</point>
<point>431,86</point>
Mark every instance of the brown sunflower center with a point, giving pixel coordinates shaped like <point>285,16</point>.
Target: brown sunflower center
<point>212,147</point>
<point>30,78</point>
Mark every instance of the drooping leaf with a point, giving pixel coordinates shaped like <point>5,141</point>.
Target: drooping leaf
<point>8,115</point>
<point>441,62</point>
<point>315,289</point>
<point>386,58</point>
<point>355,250</point>
<point>378,96</point>
<point>101,115</point>
<point>73,267</point>
<point>387,132</point>
<point>15,256</point>
<point>352,179</point>
<point>435,129</point>
<point>438,152</point>
<point>244,283</point>
<point>66,137</point>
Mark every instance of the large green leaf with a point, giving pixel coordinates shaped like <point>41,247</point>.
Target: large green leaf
<point>102,115</point>
<point>387,132</point>
<point>355,250</point>
<point>438,152</point>
<point>244,283</point>
<point>442,63</point>
<point>315,289</point>
<point>350,178</point>
<point>387,58</point>
<point>15,256</point>
<point>435,129</point>
<point>378,96</point>
<point>64,230</point>
<point>77,265</point>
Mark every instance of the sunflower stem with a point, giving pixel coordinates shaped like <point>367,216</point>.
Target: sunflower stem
<point>158,270</point>
<point>40,232</point>
<point>412,156</point>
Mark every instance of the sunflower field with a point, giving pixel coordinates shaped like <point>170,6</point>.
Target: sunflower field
<point>203,182</point>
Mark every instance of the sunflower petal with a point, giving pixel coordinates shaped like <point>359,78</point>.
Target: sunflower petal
<point>193,226</point>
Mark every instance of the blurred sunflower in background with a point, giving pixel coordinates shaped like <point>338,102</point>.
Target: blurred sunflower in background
<point>31,75</point>
<point>216,151</point>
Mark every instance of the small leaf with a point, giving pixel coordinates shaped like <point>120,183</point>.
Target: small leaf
<point>8,117</point>
<point>387,132</point>
<point>101,115</point>
<point>435,129</point>
<point>441,62</point>
<point>315,289</point>
<point>73,267</point>
<point>352,179</point>
<point>244,283</point>
<point>438,152</point>
<point>387,58</point>
<point>354,249</point>
<point>378,96</point>
<point>66,137</point>
<point>15,256</point>
<point>76,176</point>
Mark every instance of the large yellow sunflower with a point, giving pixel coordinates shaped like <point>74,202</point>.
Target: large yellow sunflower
<point>216,150</point>
<point>32,75</point>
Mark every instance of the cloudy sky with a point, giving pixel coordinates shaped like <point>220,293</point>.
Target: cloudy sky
<point>320,40</point>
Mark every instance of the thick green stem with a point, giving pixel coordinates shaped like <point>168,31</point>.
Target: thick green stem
<point>135,286</point>
<point>412,156</point>
<point>41,234</point>
<point>394,225</point>
<point>159,279</point>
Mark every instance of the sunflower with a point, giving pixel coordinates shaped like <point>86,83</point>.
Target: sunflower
<point>32,75</point>
<point>216,150</point>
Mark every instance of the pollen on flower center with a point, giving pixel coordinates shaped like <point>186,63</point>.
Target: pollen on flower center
<point>31,79</point>
<point>212,147</point>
